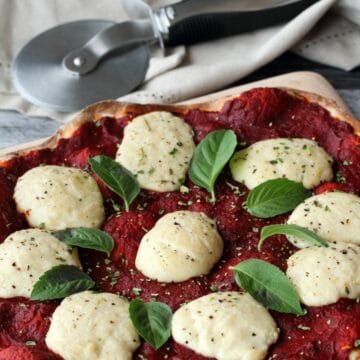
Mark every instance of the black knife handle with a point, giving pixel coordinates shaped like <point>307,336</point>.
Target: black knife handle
<point>192,21</point>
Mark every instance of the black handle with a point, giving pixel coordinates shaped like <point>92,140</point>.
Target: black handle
<point>193,21</point>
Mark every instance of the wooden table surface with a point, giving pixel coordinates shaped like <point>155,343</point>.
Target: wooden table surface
<point>16,129</point>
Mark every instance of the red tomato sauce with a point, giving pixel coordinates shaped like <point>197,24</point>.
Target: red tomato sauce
<point>326,332</point>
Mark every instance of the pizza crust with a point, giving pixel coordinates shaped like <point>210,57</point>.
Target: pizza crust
<point>116,109</point>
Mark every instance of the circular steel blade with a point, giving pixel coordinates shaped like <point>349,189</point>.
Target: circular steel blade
<point>41,78</point>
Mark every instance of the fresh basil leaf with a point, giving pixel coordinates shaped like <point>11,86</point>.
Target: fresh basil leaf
<point>275,197</point>
<point>116,177</point>
<point>293,230</point>
<point>268,285</point>
<point>210,157</point>
<point>152,321</point>
<point>87,238</point>
<point>59,282</point>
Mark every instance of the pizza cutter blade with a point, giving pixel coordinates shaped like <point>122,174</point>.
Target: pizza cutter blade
<point>41,77</point>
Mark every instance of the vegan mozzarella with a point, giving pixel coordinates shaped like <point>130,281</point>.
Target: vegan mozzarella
<point>25,255</point>
<point>300,160</point>
<point>92,326</point>
<point>182,244</point>
<point>324,275</point>
<point>225,325</point>
<point>157,148</point>
<point>59,197</point>
<point>334,216</point>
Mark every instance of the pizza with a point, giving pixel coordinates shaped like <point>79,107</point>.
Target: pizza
<point>174,267</point>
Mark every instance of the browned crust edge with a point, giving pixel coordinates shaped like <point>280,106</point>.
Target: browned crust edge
<point>116,109</point>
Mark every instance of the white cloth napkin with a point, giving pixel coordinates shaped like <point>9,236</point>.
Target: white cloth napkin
<point>186,72</point>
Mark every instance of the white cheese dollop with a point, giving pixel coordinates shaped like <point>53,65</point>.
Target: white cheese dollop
<point>334,216</point>
<point>300,160</point>
<point>181,245</point>
<point>157,147</point>
<point>92,326</point>
<point>225,326</point>
<point>324,275</point>
<point>59,197</point>
<point>25,255</point>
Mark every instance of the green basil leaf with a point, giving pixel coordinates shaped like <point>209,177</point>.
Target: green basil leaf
<point>293,230</point>
<point>210,157</point>
<point>61,281</point>
<point>116,177</point>
<point>87,238</point>
<point>152,321</point>
<point>268,285</point>
<point>275,197</point>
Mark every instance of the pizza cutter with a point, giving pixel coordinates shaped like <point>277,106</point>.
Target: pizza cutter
<point>78,63</point>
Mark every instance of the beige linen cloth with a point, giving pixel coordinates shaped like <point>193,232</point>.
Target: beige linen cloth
<point>331,37</point>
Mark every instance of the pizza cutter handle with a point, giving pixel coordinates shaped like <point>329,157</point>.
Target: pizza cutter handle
<point>192,21</point>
